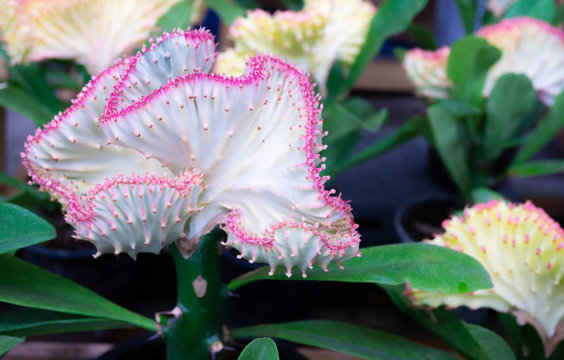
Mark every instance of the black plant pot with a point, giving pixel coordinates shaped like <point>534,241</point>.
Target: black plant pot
<point>421,218</point>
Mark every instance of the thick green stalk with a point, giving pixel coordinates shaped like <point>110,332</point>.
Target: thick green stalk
<point>194,329</point>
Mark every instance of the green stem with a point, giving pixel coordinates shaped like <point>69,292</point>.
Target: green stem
<point>194,331</point>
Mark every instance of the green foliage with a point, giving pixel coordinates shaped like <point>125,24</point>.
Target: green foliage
<point>27,285</point>
<point>512,98</point>
<point>404,133</point>
<point>424,36</point>
<point>345,125</point>
<point>8,342</point>
<point>470,340</point>
<point>546,129</point>
<point>263,349</point>
<point>468,64</point>
<point>484,195</point>
<point>20,228</point>
<point>424,266</point>
<point>467,10</point>
<point>393,17</point>
<point>17,99</point>
<point>494,346</point>
<point>227,10</point>
<point>345,338</point>
<point>28,322</point>
<point>177,17</point>
<point>544,10</point>
<point>453,152</point>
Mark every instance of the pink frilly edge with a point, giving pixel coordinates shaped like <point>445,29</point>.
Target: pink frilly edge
<point>56,188</point>
<point>518,22</point>
<point>197,37</point>
<point>258,72</point>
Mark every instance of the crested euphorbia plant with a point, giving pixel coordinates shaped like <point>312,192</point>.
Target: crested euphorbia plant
<point>156,152</point>
<point>174,151</point>
<point>521,248</point>
<point>488,95</point>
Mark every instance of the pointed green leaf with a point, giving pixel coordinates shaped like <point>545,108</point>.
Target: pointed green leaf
<point>345,338</point>
<point>424,266</point>
<point>18,100</point>
<point>8,342</point>
<point>512,97</point>
<point>467,10</point>
<point>423,36</point>
<point>393,17</point>
<point>404,133</point>
<point>484,195</point>
<point>443,323</point>
<point>27,285</point>
<point>20,228</point>
<point>537,168</point>
<point>468,64</point>
<point>546,129</point>
<point>27,322</point>
<point>544,10</point>
<point>227,10</point>
<point>447,141</point>
<point>177,17</point>
<point>492,344</point>
<point>260,349</point>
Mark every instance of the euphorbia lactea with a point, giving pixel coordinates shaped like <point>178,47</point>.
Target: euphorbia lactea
<point>93,32</point>
<point>528,46</point>
<point>324,32</point>
<point>521,248</point>
<point>156,149</point>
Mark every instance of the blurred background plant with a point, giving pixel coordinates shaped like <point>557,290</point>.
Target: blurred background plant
<point>460,124</point>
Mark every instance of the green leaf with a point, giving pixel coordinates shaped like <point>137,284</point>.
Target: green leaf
<point>404,133</point>
<point>20,228</point>
<point>177,17</point>
<point>544,10</point>
<point>459,108</point>
<point>27,285</point>
<point>28,322</point>
<point>494,346</point>
<point>393,17</point>
<point>467,10</point>
<point>469,61</point>
<point>524,340</point>
<point>546,129</point>
<point>423,36</point>
<point>345,338</point>
<point>426,267</point>
<point>295,5</point>
<point>32,79</point>
<point>443,323</point>
<point>8,342</point>
<point>512,97</point>
<point>537,168</point>
<point>446,139</point>
<point>484,195</point>
<point>558,16</point>
<point>227,10</point>
<point>260,349</point>
<point>18,100</point>
<point>345,125</point>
